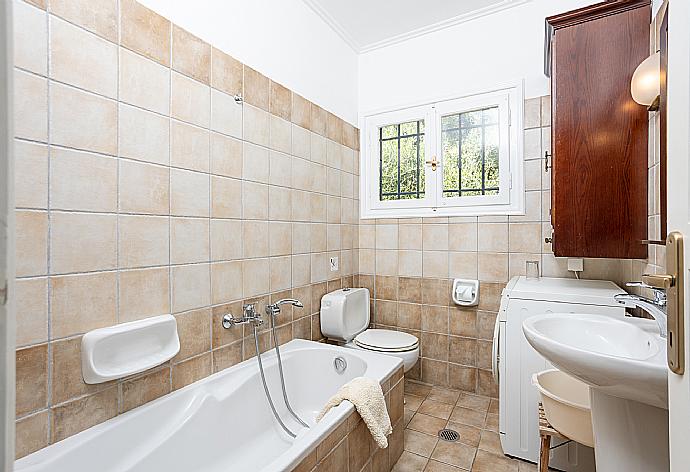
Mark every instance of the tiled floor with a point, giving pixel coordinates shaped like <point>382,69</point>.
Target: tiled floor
<point>427,410</point>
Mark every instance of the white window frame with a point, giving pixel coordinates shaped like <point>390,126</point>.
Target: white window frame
<point>511,197</point>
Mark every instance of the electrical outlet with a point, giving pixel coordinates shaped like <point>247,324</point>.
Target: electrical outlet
<point>576,264</point>
<point>334,264</point>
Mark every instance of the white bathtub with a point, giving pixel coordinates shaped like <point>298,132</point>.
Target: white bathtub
<point>223,422</point>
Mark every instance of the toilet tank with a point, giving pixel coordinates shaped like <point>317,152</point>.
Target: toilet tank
<point>345,313</point>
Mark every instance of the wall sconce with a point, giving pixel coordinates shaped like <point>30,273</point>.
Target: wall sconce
<point>646,82</point>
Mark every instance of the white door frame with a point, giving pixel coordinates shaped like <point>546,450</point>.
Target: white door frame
<point>678,140</point>
<point>7,321</point>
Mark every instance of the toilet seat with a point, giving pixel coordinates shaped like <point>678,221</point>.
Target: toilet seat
<point>385,340</point>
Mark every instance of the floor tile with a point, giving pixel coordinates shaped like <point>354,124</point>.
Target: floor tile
<point>444,395</point>
<point>407,417</point>
<point>419,443</point>
<point>490,442</point>
<point>426,424</point>
<point>474,402</point>
<point>414,388</point>
<point>468,434</point>
<point>469,417</point>
<point>488,462</point>
<point>491,423</point>
<point>413,401</point>
<point>409,462</point>
<point>434,408</point>
<point>436,466</point>
<point>493,406</point>
<point>454,453</point>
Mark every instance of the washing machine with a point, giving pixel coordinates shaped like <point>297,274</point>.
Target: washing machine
<point>515,361</point>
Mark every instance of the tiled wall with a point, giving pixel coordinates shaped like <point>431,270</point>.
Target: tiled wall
<point>409,265</point>
<point>143,188</point>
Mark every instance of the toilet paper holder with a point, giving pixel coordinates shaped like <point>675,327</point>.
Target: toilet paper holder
<point>465,292</point>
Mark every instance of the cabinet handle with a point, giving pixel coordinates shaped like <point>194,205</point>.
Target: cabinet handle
<point>546,161</point>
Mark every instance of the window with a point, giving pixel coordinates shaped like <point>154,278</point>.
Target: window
<point>454,157</point>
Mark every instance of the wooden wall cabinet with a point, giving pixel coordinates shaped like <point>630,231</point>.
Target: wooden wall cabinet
<point>599,134</point>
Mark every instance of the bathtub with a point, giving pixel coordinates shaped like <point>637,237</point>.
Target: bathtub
<point>223,422</point>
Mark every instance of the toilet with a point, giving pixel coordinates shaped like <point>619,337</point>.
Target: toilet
<point>345,319</point>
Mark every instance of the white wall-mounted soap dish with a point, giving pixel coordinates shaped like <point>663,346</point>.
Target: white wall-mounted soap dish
<point>128,348</point>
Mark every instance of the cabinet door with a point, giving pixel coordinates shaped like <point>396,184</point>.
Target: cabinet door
<point>600,135</point>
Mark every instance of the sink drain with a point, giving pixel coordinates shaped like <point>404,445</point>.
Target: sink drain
<point>449,435</point>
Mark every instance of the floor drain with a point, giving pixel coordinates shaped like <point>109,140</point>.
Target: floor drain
<point>448,435</point>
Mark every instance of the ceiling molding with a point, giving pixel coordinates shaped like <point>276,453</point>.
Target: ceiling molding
<point>359,48</point>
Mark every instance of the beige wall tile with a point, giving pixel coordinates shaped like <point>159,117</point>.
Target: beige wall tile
<point>280,101</point>
<point>144,83</point>
<point>191,55</point>
<point>143,241</point>
<point>191,287</point>
<point>30,38</point>
<point>226,114</point>
<point>410,263</point>
<point>256,88</point>
<point>255,277</point>
<point>146,388</point>
<point>30,106</point>
<point>532,144</point>
<point>82,242</point>
<point>80,303</point>
<point>280,203</point>
<point>31,243</point>
<point>256,125</point>
<point>301,270</point>
<point>66,376</point>
<point>191,100</point>
<point>82,120</point>
<point>98,16</point>
<point>517,263</point>
<point>227,72</point>
<point>319,119</point>
<point>280,134</point>
<point>32,379</point>
<point>226,197</point>
<point>302,209</point>
<point>254,201</point>
<point>189,240</point>
<point>191,370</point>
<point>492,237</point>
<point>226,239</point>
<point>462,237</point>
<point>255,164</point>
<point>386,262</point>
<point>144,188</point>
<point>280,238</point>
<point>80,414</point>
<point>334,154</point>
<point>435,237</point>
<point>410,236</point>
<point>301,111</point>
<point>31,303</point>
<point>462,265</point>
<point>189,147</point>
<point>143,135</point>
<point>30,175</point>
<point>492,267</point>
<point>301,142</point>
<point>533,171</point>
<point>144,31</point>
<point>143,293</point>
<point>189,193</point>
<point>255,241</point>
<point>334,128</point>
<point>82,59</point>
<point>226,282</point>
<point>532,113</point>
<point>82,181</point>
<point>195,335</point>
<point>226,156</point>
<point>525,237</point>
<point>435,264</point>
<point>31,434</point>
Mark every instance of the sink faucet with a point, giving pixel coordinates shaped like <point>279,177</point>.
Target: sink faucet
<point>656,306</point>
<point>274,308</point>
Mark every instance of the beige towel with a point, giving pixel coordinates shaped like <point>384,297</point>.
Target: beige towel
<point>367,397</point>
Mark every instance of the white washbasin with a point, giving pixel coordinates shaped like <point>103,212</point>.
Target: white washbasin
<point>623,357</point>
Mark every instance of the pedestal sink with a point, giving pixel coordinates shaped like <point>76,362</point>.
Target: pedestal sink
<point>624,362</point>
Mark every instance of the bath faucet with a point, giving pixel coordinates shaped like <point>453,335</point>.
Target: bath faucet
<point>274,308</point>
<point>656,307</point>
<point>249,315</point>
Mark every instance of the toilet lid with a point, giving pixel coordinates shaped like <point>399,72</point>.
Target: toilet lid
<point>386,340</point>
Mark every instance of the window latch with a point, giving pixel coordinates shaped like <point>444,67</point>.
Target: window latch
<point>433,163</point>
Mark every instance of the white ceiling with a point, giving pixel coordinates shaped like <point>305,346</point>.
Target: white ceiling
<point>371,24</point>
